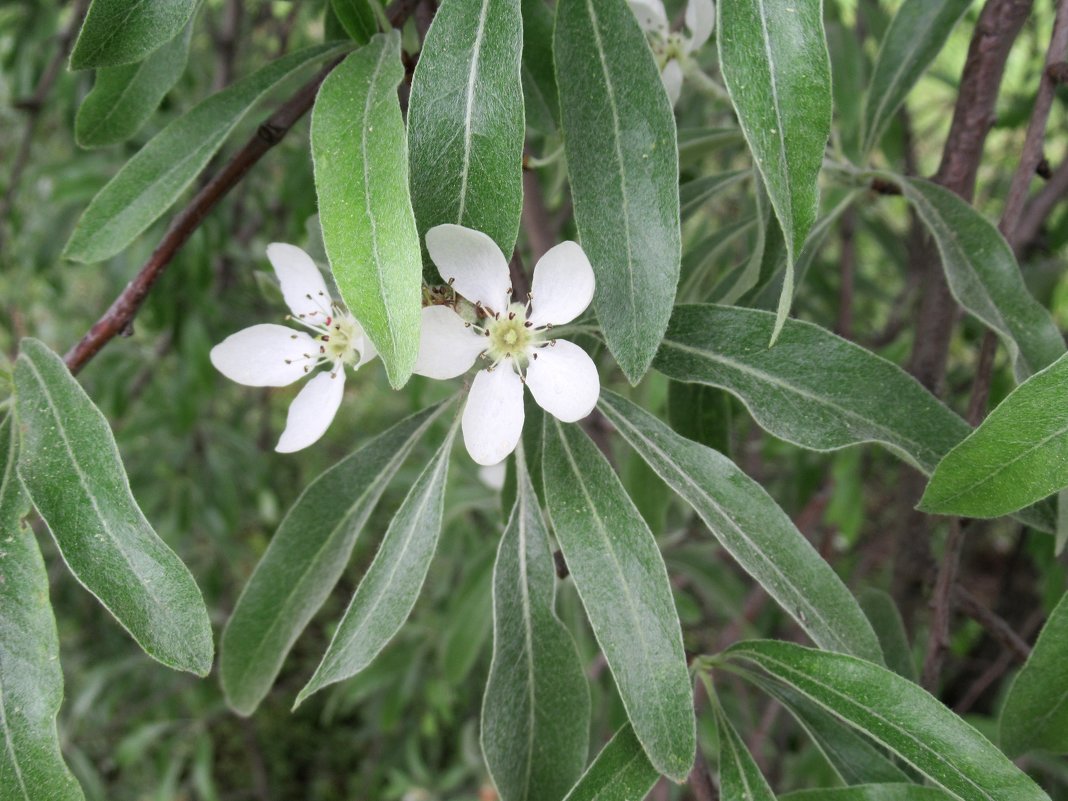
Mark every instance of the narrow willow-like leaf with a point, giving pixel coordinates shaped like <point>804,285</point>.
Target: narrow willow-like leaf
<point>31,681</point>
<point>621,579</point>
<point>119,32</point>
<point>72,470</point>
<point>777,70</point>
<point>752,527</point>
<point>536,711</point>
<point>984,276</point>
<point>1035,715</point>
<point>917,34</point>
<point>150,182</point>
<point>813,388</point>
<point>306,557</point>
<point>849,753</point>
<point>701,413</point>
<point>621,772</point>
<point>622,159</point>
<point>391,585</point>
<point>890,629</point>
<point>897,714</point>
<point>357,18</point>
<point>740,778</point>
<point>870,792</point>
<point>694,194</point>
<point>539,81</point>
<point>1018,455</point>
<point>695,143</point>
<point>466,120</point>
<point>361,178</point>
<point>123,98</point>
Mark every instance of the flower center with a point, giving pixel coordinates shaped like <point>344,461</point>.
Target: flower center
<point>340,342</point>
<point>510,336</point>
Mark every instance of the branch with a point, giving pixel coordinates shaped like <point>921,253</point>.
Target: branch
<point>1032,154</point>
<point>118,319</point>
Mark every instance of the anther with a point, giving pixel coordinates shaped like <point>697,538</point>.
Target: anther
<point>511,315</point>
<point>450,283</point>
<point>527,324</point>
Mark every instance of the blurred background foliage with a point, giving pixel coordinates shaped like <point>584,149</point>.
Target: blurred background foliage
<point>199,448</point>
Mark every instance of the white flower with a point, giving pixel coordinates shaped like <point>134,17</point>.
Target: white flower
<point>672,50</point>
<point>274,356</point>
<point>513,337</point>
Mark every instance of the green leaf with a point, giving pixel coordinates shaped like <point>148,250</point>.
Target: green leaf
<point>778,73</point>
<point>621,772</point>
<point>751,526</point>
<point>150,182</point>
<point>870,792</point>
<point>622,159</point>
<point>536,712</point>
<point>813,389</point>
<point>119,32</point>
<point>1035,715</point>
<point>123,98</point>
<point>357,18</point>
<point>916,35</point>
<point>391,585</point>
<point>621,579</point>
<point>890,629</point>
<point>740,778</point>
<point>984,277</point>
<point>1016,457</point>
<point>540,95</point>
<point>73,473</point>
<point>694,194</point>
<point>361,178</point>
<point>31,681</point>
<point>849,753</point>
<point>897,714</point>
<point>306,557</point>
<point>701,413</point>
<point>465,120</point>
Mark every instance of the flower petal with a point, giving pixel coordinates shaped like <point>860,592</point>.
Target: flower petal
<point>493,417</point>
<point>563,380</point>
<point>265,355</point>
<point>312,411</point>
<point>472,263</point>
<point>650,14</point>
<point>493,475</point>
<point>671,76</point>
<point>303,286</point>
<point>563,285</point>
<point>447,346</point>
<point>701,21</point>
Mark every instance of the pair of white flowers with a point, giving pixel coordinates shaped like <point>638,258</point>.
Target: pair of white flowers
<point>514,339</point>
<point>672,50</point>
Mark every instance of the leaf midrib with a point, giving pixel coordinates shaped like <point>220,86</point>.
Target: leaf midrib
<point>62,431</point>
<point>730,521</point>
<point>603,531</point>
<point>473,72</point>
<point>890,437</point>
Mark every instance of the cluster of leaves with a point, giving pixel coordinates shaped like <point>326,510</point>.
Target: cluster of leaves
<point>703,299</point>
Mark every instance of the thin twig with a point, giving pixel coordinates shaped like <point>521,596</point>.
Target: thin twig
<point>1031,155</point>
<point>997,626</point>
<point>941,602</point>
<point>700,781</point>
<point>119,316</point>
<point>118,319</point>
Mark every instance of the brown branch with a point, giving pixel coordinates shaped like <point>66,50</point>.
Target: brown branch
<point>35,105</point>
<point>999,25</point>
<point>700,781</point>
<point>941,602</point>
<point>1038,209</point>
<point>1031,156</point>
<point>996,625</point>
<point>226,37</point>
<point>118,319</point>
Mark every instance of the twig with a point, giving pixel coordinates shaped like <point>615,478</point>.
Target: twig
<point>119,316</point>
<point>700,781</point>
<point>997,669</point>
<point>118,319</point>
<point>938,637</point>
<point>996,625</point>
<point>1031,155</point>
<point>35,105</point>
<point>1038,208</point>
<point>847,271</point>
<point>226,38</point>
